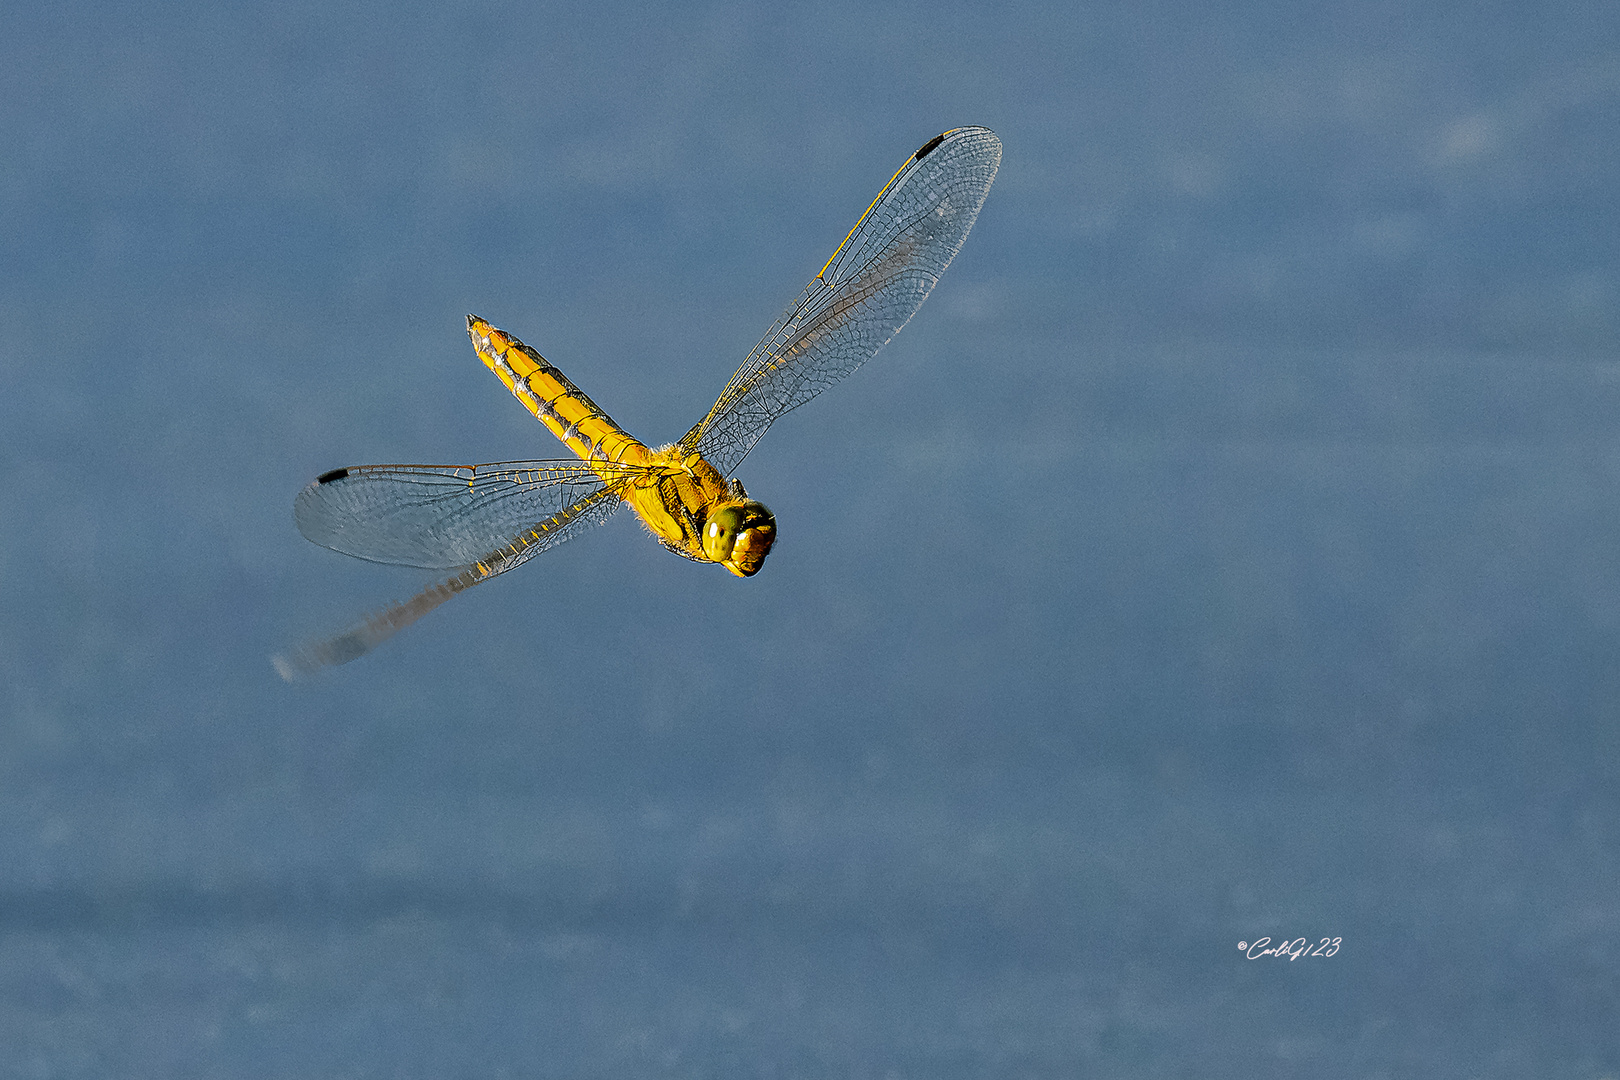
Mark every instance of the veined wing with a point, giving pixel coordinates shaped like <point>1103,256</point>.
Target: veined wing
<point>480,520</point>
<point>442,517</point>
<point>869,289</point>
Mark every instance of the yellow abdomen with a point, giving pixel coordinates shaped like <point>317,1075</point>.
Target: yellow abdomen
<point>555,402</point>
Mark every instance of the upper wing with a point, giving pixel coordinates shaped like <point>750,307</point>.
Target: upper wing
<point>442,516</point>
<point>869,289</point>
<point>480,520</point>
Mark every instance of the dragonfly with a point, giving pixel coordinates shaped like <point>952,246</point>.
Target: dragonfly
<point>479,521</point>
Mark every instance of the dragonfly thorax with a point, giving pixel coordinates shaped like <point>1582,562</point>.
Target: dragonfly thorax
<point>696,512</point>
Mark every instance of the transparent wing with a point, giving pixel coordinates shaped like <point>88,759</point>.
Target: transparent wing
<point>480,520</point>
<point>869,289</point>
<point>442,517</point>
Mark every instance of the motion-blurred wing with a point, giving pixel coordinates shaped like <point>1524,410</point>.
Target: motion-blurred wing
<point>869,289</point>
<point>442,517</point>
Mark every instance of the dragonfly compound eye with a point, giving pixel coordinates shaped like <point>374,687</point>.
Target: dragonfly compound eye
<point>739,536</point>
<point>720,532</point>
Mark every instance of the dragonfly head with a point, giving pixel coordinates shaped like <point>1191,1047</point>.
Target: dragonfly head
<point>738,536</point>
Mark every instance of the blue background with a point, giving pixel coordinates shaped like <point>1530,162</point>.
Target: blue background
<point>1229,549</point>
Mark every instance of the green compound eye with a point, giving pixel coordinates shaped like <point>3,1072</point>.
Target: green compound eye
<point>720,532</point>
<point>738,536</point>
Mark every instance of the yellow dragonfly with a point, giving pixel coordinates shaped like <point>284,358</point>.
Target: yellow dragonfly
<point>482,520</point>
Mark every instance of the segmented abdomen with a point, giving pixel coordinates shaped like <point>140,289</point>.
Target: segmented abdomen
<point>553,399</point>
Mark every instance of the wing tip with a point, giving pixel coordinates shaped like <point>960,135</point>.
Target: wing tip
<point>298,664</point>
<point>928,147</point>
<point>963,132</point>
<point>295,666</point>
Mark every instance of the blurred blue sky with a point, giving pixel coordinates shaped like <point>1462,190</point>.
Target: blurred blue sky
<point>1226,550</point>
